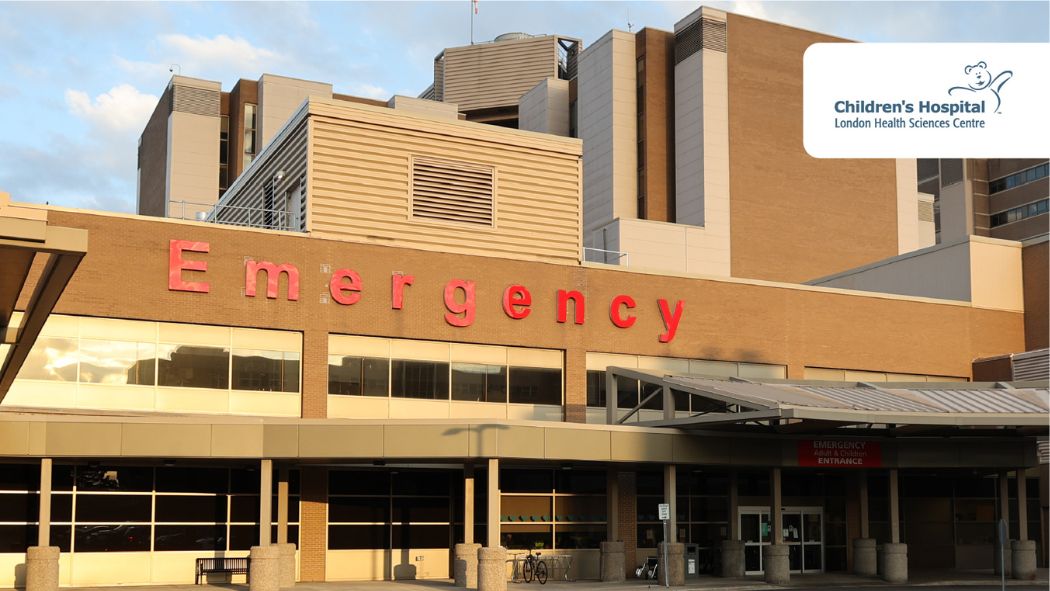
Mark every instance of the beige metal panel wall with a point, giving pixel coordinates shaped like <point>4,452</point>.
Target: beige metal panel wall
<point>359,183</point>
<point>545,108</point>
<point>424,106</point>
<point>907,206</point>
<point>492,75</point>
<point>193,163</point>
<point>608,126</point>
<point>280,98</point>
<point>956,212</point>
<point>996,272</point>
<point>289,154</point>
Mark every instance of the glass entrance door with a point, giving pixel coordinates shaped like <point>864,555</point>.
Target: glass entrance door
<point>802,534</point>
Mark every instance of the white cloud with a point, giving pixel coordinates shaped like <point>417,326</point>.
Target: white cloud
<point>121,110</point>
<point>371,91</point>
<point>202,54</point>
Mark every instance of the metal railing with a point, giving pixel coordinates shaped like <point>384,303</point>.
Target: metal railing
<point>608,257</point>
<point>235,215</point>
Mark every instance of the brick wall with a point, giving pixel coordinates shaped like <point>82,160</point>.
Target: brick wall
<point>1036,268</point>
<point>628,519</point>
<point>313,524</point>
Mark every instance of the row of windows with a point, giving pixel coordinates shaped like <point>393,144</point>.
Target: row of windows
<point>151,364</point>
<point>1018,179</point>
<point>1019,213</point>
<point>440,380</point>
<point>250,133</point>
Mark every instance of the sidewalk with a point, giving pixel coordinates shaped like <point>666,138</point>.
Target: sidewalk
<point>917,578</point>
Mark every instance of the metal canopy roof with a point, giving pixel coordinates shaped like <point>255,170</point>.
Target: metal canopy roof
<point>811,406</point>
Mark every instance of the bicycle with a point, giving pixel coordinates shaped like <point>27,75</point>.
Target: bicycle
<point>534,568</point>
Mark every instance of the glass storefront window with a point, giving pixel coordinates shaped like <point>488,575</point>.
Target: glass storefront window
<point>193,366</point>
<point>117,362</point>
<point>419,379</point>
<point>51,358</point>
<point>265,371</point>
<point>535,385</point>
<point>358,376</point>
<point>475,382</point>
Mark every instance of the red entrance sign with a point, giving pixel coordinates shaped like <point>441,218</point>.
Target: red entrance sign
<point>840,454</point>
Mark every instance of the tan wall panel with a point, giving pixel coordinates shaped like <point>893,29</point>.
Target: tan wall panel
<point>83,439</point>
<point>233,441</point>
<point>931,454</point>
<point>165,440</point>
<point>280,441</point>
<point>330,441</point>
<point>61,326</point>
<point>411,408</point>
<point>760,452</point>
<point>641,447</point>
<point>496,74</point>
<point>194,335</point>
<point>425,441</point>
<point>357,407</point>
<point>268,340</point>
<point>534,358</point>
<point>577,444</point>
<point>535,412</point>
<point>192,400</point>
<point>363,346</point>
<point>520,442</point>
<point>267,404</point>
<point>400,349</point>
<point>477,410</point>
<point>476,354</point>
<point>42,394</point>
<point>97,568</point>
<point>13,570</point>
<point>14,440</point>
<point>115,397</point>
<point>701,450</point>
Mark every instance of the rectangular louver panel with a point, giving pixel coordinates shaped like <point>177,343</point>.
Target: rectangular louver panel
<point>705,33</point>
<point>925,211</point>
<point>453,191</point>
<point>1032,365</point>
<point>951,172</point>
<point>197,101</point>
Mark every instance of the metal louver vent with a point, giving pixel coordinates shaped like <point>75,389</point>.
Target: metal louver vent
<point>196,101</point>
<point>453,191</point>
<point>1032,365</point>
<point>704,33</point>
<point>951,172</point>
<point>925,211</point>
<point>927,169</point>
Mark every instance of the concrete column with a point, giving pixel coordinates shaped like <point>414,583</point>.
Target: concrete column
<point>672,570</point>
<point>45,503</point>
<point>468,507</point>
<point>863,503</point>
<point>895,522</point>
<point>612,501</point>
<point>1022,505</point>
<point>466,565</point>
<point>286,563</point>
<point>734,506</point>
<point>282,506</point>
<point>613,562</point>
<point>610,398</point>
<point>668,402</point>
<point>492,568</point>
<point>494,508</point>
<point>733,559</point>
<point>265,572</point>
<point>1001,562</point>
<point>671,498</point>
<point>42,568</point>
<point>1022,550</point>
<point>865,558</point>
<point>776,563</point>
<point>895,563</point>
<point>777,509</point>
<point>265,501</point>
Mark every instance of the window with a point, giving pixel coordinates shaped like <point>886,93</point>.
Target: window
<point>268,371</point>
<point>51,358</point>
<point>476,382</point>
<point>224,154</point>
<point>1021,178</point>
<point>1019,213</point>
<point>573,120</point>
<point>250,112</point>
<point>534,385</point>
<point>193,366</point>
<point>358,376</point>
<point>117,362</point>
<point>419,379</point>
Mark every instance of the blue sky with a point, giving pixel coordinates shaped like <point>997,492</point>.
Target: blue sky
<point>79,80</point>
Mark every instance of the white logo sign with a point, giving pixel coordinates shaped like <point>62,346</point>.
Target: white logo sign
<point>926,100</point>
<point>665,511</point>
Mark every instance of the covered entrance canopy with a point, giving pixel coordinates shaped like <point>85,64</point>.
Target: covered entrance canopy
<point>813,407</point>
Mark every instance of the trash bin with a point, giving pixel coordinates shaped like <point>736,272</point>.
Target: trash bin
<point>692,561</point>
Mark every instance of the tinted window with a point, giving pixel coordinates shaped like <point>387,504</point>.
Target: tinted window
<point>595,388</point>
<point>198,480</point>
<point>51,358</point>
<point>420,536</point>
<point>474,382</point>
<point>421,483</point>
<point>358,376</point>
<point>117,362</point>
<point>193,366</point>
<point>20,477</point>
<point>530,385</point>
<point>358,509</point>
<point>343,482</point>
<point>189,537</point>
<point>19,507</point>
<point>266,371</point>
<point>113,508</point>
<point>244,509</point>
<point>185,508</point>
<point>112,538</point>
<point>358,537</point>
<point>115,478</point>
<point>61,507</point>
<point>243,537</point>
<point>420,379</point>
<point>421,509</point>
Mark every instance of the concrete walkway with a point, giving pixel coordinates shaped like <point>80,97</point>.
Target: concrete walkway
<point>917,578</point>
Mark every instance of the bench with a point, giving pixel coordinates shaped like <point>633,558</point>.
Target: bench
<point>235,566</point>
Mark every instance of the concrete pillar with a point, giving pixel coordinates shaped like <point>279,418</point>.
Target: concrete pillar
<point>44,519</point>
<point>672,568</point>
<point>734,506</point>
<point>610,398</point>
<point>265,502</point>
<point>1001,562</point>
<point>1022,554</point>
<point>494,507</point>
<point>613,562</point>
<point>895,563</point>
<point>776,564</point>
<point>286,563</point>
<point>492,568</point>
<point>733,559</point>
<point>42,568</point>
<point>864,557</point>
<point>612,501</point>
<point>1022,505</point>
<point>265,574</point>
<point>468,509</point>
<point>466,565</point>
<point>282,507</point>
<point>671,498</point>
<point>778,508</point>
<point>895,521</point>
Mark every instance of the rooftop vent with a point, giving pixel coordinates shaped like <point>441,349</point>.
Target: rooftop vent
<point>511,37</point>
<point>453,191</point>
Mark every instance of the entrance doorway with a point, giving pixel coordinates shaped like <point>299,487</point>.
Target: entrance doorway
<point>803,535</point>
